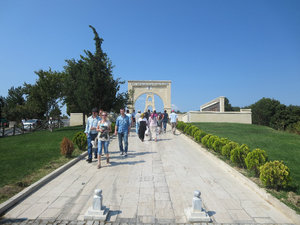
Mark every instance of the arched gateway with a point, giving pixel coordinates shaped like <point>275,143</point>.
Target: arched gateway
<point>151,87</point>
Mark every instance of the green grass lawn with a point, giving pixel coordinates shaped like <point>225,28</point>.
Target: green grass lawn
<point>23,156</point>
<point>278,145</point>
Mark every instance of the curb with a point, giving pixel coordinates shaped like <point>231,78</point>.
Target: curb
<point>5,206</point>
<point>250,184</point>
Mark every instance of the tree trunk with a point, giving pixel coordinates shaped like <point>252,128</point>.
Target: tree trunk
<point>83,120</point>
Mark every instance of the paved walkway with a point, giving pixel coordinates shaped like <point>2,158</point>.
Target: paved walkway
<point>154,184</point>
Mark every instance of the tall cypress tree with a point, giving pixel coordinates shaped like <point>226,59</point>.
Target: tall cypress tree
<point>89,82</point>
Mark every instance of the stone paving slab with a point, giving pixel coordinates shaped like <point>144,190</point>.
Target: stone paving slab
<point>154,184</point>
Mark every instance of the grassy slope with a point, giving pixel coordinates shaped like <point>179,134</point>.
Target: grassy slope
<point>278,145</point>
<point>22,155</point>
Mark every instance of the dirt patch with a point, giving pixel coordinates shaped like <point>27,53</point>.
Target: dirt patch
<point>9,190</point>
<point>294,198</point>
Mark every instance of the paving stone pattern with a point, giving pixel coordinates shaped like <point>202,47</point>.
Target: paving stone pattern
<point>153,185</point>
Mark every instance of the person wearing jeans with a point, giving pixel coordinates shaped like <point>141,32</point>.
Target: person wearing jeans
<point>122,128</point>
<point>91,133</point>
<point>104,127</point>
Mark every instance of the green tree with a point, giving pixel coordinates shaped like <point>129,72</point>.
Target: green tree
<point>2,104</point>
<point>89,82</point>
<point>44,96</point>
<point>229,107</point>
<point>263,110</point>
<point>14,107</point>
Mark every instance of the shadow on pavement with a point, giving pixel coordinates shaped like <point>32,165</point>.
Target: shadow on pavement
<point>126,162</point>
<point>12,221</point>
<point>113,213</point>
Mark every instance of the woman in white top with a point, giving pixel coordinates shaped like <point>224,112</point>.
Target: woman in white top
<point>153,125</point>
<point>104,127</point>
<point>143,124</point>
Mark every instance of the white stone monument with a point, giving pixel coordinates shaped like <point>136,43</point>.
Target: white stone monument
<point>196,213</point>
<point>97,211</point>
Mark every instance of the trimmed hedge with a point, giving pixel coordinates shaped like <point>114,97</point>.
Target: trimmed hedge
<point>275,174</point>
<point>255,159</point>
<point>272,174</point>
<point>238,155</point>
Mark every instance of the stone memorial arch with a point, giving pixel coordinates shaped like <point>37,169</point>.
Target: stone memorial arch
<point>151,87</point>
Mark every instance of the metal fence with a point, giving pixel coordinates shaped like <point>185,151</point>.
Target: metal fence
<point>21,129</point>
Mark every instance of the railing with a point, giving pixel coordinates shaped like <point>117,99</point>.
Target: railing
<point>21,129</point>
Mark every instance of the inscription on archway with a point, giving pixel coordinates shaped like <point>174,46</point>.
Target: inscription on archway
<point>151,87</point>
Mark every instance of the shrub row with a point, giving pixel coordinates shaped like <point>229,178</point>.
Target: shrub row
<point>272,174</point>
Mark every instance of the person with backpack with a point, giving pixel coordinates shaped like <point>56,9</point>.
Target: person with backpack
<point>160,118</point>
<point>165,120</point>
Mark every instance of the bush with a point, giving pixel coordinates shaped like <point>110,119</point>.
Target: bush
<point>193,130</point>
<point>219,143</point>
<point>275,174</point>
<point>80,140</point>
<point>255,159</point>
<point>294,127</point>
<point>190,130</point>
<point>204,140</point>
<point>226,149</point>
<point>113,125</point>
<point>197,133</point>
<point>181,125</point>
<point>238,155</point>
<point>211,140</point>
<point>66,147</point>
<point>187,127</point>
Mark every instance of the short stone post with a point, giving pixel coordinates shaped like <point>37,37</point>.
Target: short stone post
<point>196,213</point>
<point>97,211</point>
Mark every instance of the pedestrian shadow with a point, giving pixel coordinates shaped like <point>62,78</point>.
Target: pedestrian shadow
<point>12,220</point>
<point>113,163</point>
<point>163,139</point>
<point>131,154</point>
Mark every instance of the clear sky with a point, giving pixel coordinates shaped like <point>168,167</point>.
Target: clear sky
<point>241,49</point>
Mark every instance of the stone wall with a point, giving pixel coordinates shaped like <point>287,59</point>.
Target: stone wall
<point>76,119</point>
<point>244,116</point>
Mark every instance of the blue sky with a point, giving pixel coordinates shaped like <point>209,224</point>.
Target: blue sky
<point>244,50</point>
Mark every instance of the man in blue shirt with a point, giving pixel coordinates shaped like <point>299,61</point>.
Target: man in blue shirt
<point>91,132</point>
<point>122,128</point>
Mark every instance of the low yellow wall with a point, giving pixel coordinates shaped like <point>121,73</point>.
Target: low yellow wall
<point>227,117</point>
<point>76,119</point>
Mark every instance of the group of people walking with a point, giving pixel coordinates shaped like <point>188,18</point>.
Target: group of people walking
<point>98,128</point>
<point>97,131</point>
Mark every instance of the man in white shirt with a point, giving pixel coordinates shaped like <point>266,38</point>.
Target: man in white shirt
<point>173,119</point>
<point>137,116</point>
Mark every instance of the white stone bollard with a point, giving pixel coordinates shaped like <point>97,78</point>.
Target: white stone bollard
<point>97,211</point>
<point>196,213</point>
<point>97,201</point>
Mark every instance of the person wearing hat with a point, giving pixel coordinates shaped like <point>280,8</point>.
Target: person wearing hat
<point>91,133</point>
<point>173,119</point>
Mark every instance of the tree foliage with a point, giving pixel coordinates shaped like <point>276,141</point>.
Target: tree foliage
<point>229,107</point>
<point>270,112</point>
<point>89,82</point>
<point>43,97</point>
<point>14,104</point>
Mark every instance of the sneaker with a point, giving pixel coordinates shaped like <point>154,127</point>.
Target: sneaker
<point>99,166</point>
<point>125,154</point>
<point>89,161</point>
<point>121,153</point>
